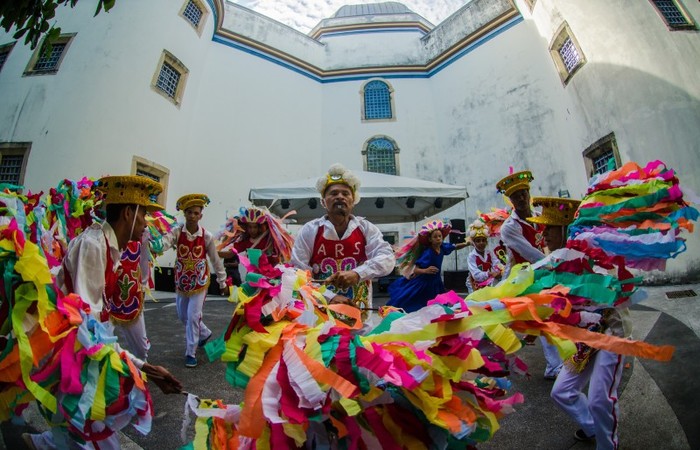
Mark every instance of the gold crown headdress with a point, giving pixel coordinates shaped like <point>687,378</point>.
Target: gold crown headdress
<point>190,200</point>
<point>555,210</point>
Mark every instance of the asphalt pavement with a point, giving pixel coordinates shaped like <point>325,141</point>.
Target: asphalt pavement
<point>658,401</point>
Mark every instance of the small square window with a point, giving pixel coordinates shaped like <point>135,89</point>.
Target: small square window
<point>566,53</point>
<point>149,169</point>
<point>602,156</point>
<point>5,53</point>
<point>673,14</point>
<point>170,77</point>
<point>569,55</point>
<point>13,162</point>
<point>43,62</point>
<point>195,13</point>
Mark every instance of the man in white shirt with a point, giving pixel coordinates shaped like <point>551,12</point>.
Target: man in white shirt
<point>89,270</point>
<point>525,243</point>
<point>343,250</point>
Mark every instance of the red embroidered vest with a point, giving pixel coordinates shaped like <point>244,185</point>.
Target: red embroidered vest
<point>533,234</point>
<point>191,268</point>
<point>329,257</point>
<point>126,303</point>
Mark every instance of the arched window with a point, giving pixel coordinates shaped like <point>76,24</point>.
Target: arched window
<point>377,101</point>
<point>380,155</point>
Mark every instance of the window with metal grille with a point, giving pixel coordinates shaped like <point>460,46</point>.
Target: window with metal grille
<point>566,53</point>
<point>569,55</point>
<point>168,79</point>
<point>49,63</point>
<point>11,169</point>
<point>193,13</point>
<point>156,172</point>
<point>602,156</point>
<point>146,174</point>
<point>604,162</point>
<point>672,13</point>
<point>381,156</point>
<point>377,100</point>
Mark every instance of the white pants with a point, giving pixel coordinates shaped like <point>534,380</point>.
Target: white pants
<point>551,355</point>
<point>597,414</point>
<point>189,311</point>
<point>133,337</point>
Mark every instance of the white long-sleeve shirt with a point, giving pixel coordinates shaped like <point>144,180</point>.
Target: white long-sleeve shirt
<point>472,265</point>
<point>170,239</point>
<point>380,256</point>
<point>512,237</point>
<point>86,263</point>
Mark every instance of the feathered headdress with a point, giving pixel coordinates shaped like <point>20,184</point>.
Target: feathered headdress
<point>234,228</point>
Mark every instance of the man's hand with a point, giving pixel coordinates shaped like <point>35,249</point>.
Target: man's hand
<point>344,279</point>
<point>225,292</point>
<point>162,378</point>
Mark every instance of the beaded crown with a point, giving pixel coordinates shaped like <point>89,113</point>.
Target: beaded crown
<point>555,210</point>
<point>514,182</point>
<point>190,200</point>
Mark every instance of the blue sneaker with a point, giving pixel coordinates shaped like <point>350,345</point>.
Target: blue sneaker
<point>202,342</point>
<point>190,361</point>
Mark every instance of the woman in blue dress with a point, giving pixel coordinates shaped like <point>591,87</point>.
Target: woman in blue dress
<point>420,261</point>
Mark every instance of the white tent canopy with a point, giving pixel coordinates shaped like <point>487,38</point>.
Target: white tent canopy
<point>383,198</point>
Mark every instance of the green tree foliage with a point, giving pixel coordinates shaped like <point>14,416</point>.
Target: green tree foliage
<point>32,18</point>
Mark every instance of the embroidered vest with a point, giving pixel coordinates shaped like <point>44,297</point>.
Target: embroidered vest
<point>191,269</point>
<point>329,257</point>
<point>126,303</point>
<point>533,234</point>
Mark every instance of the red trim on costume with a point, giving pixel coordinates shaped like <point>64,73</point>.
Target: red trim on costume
<point>533,234</point>
<point>191,268</point>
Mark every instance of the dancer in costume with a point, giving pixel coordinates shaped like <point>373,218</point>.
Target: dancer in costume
<point>523,240</point>
<point>344,250</point>
<point>90,270</point>
<point>422,281</point>
<point>598,412</point>
<point>524,243</point>
<point>482,263</point>
<point>193,245</point>
<point>494,220</point>
<point>259,229</point>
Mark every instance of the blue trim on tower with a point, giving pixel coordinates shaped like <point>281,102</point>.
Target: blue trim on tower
<point>371,31</point>
<point>212,6</point>
<point>365,76</point>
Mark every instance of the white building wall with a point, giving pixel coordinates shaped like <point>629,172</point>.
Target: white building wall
<point>245,121</point>
<point>640,82</point>
<point>369,49</point>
